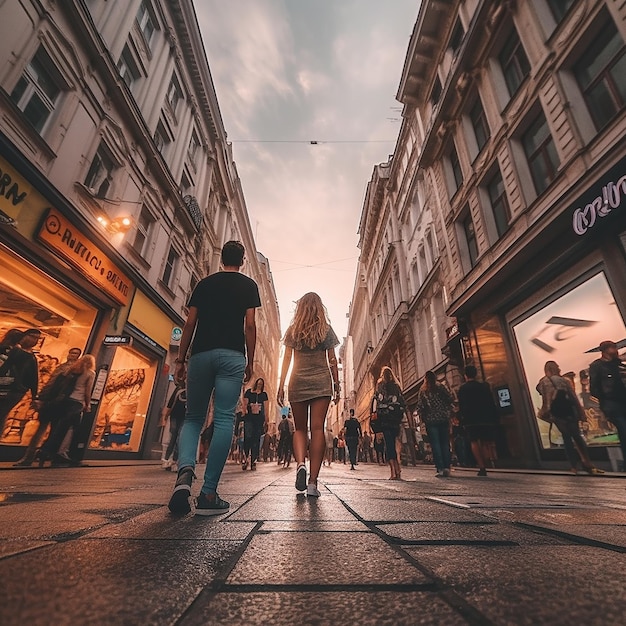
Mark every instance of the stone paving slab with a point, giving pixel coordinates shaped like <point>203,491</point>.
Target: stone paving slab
<point>348,558</point>
<point>108,581</point>
<point>606,533</point>
<point>160,524</point>
<point>543,517</point>
<point>390,608</point>
<point>526,586</point>
<point>459,532</point>
<point>9,547</point>
<point>312,526</point>
<point>294,507</point>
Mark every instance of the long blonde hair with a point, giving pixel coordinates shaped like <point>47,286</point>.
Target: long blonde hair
<point>83,364</point>
<point>310,324</point>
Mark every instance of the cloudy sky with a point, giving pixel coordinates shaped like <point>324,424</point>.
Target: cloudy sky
<point>288,72</point>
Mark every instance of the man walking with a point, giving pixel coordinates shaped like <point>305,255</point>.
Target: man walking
<point>479,416</point>
<point>606,382</point>
<point>222,324</point>
<point>352,433</point>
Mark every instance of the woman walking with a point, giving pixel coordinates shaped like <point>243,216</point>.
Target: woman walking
<point>255,401</point>
<point>310,342</point>
<point>78,399</point>
<point>564,411</point>
<point>389,406</point>
<point>434,404</point>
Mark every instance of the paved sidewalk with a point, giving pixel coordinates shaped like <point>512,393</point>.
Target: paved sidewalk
<point>97,545</point>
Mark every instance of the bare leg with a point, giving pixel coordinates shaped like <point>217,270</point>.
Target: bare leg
<point>300,412</point>
<point>319,407</point>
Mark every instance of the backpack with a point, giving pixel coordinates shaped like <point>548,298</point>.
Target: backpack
<point>561,405</point>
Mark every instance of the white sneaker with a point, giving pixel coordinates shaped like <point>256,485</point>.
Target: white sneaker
<point>166,464</point>
<point>312,491</point>
<point>174,467</point>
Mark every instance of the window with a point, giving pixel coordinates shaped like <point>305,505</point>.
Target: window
<point>601,74</point>
<point>479,123</point>
<point>514,62</point>
<point>456,168</point>
<point>100,174</point>
<point>499,203</point>
<point>436,92</point>
<point>541,154</point>
<point>456,39</point>
<point>161,138</point>
<point>470,238</point>
<point>192,150</point>
<point>127,67</point>
<point>144,20</point>
<point>560,7</point>
<point>145,224</point>
<point>170,266</point>
<point>174,93</point>
<point>37,91</point>
<point>185,185</point>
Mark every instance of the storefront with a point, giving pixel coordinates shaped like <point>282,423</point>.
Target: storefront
<point>58,275</point>
<point>557,301</point>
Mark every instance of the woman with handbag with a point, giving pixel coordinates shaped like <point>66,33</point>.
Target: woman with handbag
<point>255,400</point>
<point>434,404</point>
<point>562,408</point>
<point>389,407</point>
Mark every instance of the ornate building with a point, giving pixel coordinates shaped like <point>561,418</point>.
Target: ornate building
<point>510,170</point>
<point>118,190</point>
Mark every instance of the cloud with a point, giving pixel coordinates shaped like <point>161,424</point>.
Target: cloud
<point>301,71</point>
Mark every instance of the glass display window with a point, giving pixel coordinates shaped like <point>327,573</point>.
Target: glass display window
<point>31,299</point>
<point>122,415</point>
<point>568,331</point>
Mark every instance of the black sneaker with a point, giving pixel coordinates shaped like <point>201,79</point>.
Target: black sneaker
<point>179,502</point>
<point>301,478</point>
<point>211,505</point>
<point>482,472</point>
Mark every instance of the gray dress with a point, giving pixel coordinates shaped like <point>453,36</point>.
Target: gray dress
<point>310,375</point>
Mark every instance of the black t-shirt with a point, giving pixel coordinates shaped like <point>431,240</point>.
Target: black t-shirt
<point>352,427</point>
<point>256,398</point>
<point>222,300</point>
<point>178,404</point>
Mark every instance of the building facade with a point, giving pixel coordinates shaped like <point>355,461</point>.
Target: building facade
<point>118,191</point>
<point>518,164</point>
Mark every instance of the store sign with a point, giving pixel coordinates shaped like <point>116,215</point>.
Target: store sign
<point>117,340</point>
<point>17,198</point>
<point>177,333</point>
<point>68,242</point>
<point>608,195</point>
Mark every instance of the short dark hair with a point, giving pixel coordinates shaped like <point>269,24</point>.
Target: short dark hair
<point>232,254</point>
<point>471,371</point>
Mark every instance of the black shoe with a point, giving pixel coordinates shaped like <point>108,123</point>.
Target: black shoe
<point>482,472</point>
<point>179,502</point>
<point>211,505</point>
<point>352,467</point>
<point>253,466</point>
<point>301,478</point>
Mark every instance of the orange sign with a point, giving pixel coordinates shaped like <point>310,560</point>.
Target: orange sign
<point>66,240</point>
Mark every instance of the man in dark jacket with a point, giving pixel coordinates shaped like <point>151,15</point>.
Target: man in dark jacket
<point>352,434</point>
<point>22,370</point>
<point>606,382</point>
<point>479,416</point>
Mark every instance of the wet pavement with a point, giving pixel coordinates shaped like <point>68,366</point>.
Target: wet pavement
<point>97,545</point>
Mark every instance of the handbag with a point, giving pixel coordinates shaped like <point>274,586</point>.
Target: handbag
<point>561,405</point>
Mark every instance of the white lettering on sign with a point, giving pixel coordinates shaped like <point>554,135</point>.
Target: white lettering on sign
<point>611,198</point>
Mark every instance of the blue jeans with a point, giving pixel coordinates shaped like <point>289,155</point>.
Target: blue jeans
<point>222,371</point>
<point>438,433</point>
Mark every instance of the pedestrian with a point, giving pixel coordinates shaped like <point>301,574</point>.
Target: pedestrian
<point>19,372</point>
<point>285,441</point>
<point>561,407</point>
<point>379,448</point>
<point>366,443</point>
<point>478,417</point>
<point>310,343</point>
<point>47,410</point>
<point>75,399</point>
<point>389,406</point>
<point>175,410</point>
<point>221,322</point>
<point>255,418</point>
<point>607,382</point>
<point>328,434</point>
<point>352,434</point>
<point>434,404</point>
<point>341,448</point>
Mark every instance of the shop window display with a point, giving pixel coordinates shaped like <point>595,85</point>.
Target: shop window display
<point>568,331</point>
<point>122,414</point>
<point>30,299</point>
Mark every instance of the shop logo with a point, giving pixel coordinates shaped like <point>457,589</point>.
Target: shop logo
<point>177,333</point>
<point>585,218</point>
